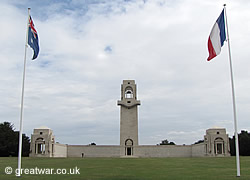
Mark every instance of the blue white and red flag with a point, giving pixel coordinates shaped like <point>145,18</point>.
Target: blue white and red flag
<point>217,37</point>
<point>33,38</point>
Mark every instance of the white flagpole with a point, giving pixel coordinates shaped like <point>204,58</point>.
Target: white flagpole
<point>21,114</point>
<point>234,105</point>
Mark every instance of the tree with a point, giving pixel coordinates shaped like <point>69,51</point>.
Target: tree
<point>165,142</point>
<point>200,141</point>
<point>9,141</point>
<point>244,144</point>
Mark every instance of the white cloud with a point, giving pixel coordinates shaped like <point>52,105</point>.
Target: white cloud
<point>75,83</point>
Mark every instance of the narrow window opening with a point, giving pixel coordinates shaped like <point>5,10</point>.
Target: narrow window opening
<point>128,94</point>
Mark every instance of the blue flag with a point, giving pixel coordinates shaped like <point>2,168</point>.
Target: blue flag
<point>33,38</point>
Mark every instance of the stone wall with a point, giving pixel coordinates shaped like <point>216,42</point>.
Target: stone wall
<point>163,151</point>
<point>138,151</point>
<point>93,151</point>
<point>198,150</point>
<point>59,150</point>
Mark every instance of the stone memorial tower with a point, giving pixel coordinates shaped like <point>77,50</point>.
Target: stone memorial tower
<point>128,118</point>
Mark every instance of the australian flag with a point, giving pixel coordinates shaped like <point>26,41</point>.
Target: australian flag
<point>33,38</point>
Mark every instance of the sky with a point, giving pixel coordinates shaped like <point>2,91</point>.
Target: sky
<point>88,47</point>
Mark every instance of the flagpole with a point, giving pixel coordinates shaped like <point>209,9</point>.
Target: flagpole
<point>234,105</point>
<point>21,114</point>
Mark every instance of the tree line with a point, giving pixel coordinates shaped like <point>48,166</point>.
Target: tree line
<point>244,144</point>
<point>9,139</point>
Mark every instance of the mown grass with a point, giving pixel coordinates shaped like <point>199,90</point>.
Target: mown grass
<point>132,168</point>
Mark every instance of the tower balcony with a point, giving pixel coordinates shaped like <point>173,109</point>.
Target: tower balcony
<point>128,102</point>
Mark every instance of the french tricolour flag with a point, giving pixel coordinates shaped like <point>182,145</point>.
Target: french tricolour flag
<point>217,37</point>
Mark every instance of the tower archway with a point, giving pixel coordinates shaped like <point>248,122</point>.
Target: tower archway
<point>128,92</point>
<point>129,147</point>
<point>219,146</point>
<point>39,146</point>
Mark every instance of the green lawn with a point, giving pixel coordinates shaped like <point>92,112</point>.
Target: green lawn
<point>131,168</point>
